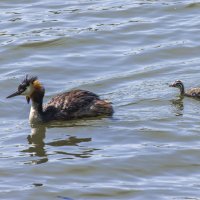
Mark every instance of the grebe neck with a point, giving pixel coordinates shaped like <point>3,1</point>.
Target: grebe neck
<point>182,89</point>
<point>36,112</point>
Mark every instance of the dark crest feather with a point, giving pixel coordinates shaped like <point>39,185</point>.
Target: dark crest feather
<point>29,80</point>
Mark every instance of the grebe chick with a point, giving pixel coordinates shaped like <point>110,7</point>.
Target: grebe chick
<point>193,92</point>
<point>74,104</point>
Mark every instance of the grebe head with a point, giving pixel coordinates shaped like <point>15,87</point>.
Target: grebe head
<point>177,84</point>
<point>27,87</point>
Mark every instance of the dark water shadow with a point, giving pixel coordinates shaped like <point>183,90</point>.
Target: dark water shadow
<point>37,145</point>
<point>178,105</point>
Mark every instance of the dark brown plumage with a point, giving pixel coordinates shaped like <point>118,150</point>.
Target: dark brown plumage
<point>76,104</point>
<point>193,92</point>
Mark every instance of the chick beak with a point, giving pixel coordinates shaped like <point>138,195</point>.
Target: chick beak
<point>171,85</point>
<point>14,94</point>
<point>27,99</point>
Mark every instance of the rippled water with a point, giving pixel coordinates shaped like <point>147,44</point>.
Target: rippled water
<point>125,51</point>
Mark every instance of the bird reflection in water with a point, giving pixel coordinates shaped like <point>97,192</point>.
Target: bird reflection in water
<point>178,105</point>
<point>37,148</point>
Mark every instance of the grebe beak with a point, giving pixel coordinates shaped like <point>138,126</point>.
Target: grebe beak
<point>171,85</point>
<point>14,94</point>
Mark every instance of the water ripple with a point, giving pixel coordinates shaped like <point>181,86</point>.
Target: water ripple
<point>127,52</point>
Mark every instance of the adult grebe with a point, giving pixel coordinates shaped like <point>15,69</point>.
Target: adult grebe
<point>193,92</point>
<point>74,104</point>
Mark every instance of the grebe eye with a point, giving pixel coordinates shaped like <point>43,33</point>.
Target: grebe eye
<point>179,85</point>
<point>22,88</point>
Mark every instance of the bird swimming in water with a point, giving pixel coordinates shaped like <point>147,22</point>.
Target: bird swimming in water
<point>193,92</point>
<point>74,104</point>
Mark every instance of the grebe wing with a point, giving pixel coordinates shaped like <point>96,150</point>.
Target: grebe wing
<point>193,92</point>
<point>71,101</point>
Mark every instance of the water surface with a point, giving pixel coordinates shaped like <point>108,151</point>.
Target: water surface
<point>125,51</point>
